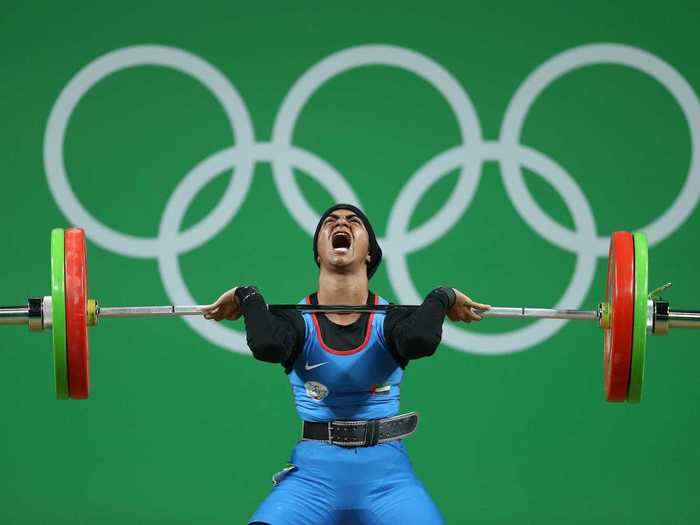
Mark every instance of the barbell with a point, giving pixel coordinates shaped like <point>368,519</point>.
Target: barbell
<point>629,314</point>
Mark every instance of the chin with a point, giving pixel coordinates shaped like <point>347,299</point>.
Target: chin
<point>340,264</point>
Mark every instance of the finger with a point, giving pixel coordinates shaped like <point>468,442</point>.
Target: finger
<point>213,312</point>
<point>474,304</point>
<point>467,315</point>
<point>219,302</point>
<point>480,306</point>
<point>473,315</point>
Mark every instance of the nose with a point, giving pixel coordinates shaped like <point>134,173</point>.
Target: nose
<point>342,221</point>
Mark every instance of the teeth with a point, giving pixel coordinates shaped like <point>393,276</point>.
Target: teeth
<point>340,251</point>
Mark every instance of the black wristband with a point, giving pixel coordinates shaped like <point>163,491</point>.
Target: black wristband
<point>450,293</point>
<point>243,293</point>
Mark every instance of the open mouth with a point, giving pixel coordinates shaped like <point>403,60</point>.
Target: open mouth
<point>341,241</point>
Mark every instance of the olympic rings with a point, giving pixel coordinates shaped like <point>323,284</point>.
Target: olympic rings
<point>399,242</point>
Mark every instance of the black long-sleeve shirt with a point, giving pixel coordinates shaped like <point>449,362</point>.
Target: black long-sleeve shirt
<point>278,337</point>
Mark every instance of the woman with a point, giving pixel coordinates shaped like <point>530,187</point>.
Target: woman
<point>345,370</point>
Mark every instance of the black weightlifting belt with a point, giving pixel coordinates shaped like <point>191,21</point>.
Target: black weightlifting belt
<point>361,433</point>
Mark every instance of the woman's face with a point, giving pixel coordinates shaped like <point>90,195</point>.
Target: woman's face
<point>343,242</point>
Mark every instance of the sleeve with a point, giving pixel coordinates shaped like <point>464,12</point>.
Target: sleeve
<point>411,334</point>
<point>275,338</point>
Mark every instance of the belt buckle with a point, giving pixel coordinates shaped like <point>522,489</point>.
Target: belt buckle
<point>345,442</point>
<point>330,433</point>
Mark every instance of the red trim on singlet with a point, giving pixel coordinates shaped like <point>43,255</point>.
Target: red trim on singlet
<point>319,337</point>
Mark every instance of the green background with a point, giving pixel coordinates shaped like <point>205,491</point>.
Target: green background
<point>178,430</point>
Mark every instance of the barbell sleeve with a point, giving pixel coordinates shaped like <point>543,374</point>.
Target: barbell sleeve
<point>683,319</point>
<point>14,314</point>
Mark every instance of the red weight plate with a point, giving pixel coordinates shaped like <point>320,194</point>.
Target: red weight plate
<point>76,314</point>
<point>619,293</point>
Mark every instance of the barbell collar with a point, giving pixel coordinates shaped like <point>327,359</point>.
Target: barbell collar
<point>47,313</point>
<point>661,311</point>
<point>36,314</point>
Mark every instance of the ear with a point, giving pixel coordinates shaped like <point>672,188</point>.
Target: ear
<point>318,260</point>
<point>368,258</point>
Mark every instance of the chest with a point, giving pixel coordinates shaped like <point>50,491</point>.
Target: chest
<point>361,368</point>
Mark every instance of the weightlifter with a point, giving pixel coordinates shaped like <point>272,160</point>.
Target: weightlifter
<point>345,370</point>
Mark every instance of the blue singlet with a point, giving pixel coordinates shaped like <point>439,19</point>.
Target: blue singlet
<point>333,485</point>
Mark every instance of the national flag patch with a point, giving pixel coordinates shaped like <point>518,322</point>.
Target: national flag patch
<point>380,389</point>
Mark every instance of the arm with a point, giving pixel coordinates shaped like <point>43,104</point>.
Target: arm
<point>274,338</point>
<point>416,334</point>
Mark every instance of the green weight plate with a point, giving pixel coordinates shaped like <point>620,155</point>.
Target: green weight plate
<point>58,306</point>
<point>639,341</point>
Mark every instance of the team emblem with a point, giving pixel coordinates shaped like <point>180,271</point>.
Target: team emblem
<point>316,391</point>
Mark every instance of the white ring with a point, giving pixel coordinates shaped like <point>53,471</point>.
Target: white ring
<point>355,57</point>
<point>566,62</point>
<point>210,77</point>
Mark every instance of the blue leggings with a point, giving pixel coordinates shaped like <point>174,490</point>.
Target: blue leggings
<point>334,485</point>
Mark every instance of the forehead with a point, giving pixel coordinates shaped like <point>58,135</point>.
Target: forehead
<point>348,215</point>
<point>342,213</point>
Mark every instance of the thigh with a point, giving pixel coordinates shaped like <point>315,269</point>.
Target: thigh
<point>398,496</point>
<point>406,502</point>
<point>297,500</point>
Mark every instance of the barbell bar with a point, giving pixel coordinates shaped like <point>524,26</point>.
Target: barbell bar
<point>627,316</point>
<point>20,314</point>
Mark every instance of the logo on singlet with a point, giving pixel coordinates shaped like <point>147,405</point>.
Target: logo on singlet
<point>307,366</point>
<point>316,391</point>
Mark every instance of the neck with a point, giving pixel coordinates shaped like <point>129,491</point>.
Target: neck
<point>342,288</point>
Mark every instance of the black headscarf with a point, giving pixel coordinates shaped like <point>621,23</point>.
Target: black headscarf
<point>375,252</point>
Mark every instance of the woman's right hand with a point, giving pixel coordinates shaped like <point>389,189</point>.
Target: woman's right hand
<point>225,307</point>
<point>463,309</point>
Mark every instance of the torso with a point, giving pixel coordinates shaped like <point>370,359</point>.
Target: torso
<point>345,372</point>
